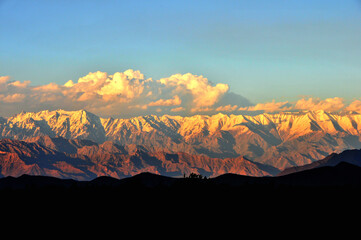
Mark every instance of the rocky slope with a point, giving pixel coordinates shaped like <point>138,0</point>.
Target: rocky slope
<point>84,160</point>
<point>349,156</point>
<point>279,140</point>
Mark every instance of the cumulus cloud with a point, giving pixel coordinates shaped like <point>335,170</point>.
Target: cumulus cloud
<point>178,109</point>
<point>126,86</point>
<point>130,93</point>
<point>313,104</point>
<point>51,87</point>
<point>335,104</point>
<point>20,84</point>
<point>227,108</point>
<point>168,102</point>
<point>4,80</point>
<point>127,93</point>
<point>354,106</point>
<point>120,87</point>
<point>203,94</point>
<point>268,107</point>
<point>12,98</point>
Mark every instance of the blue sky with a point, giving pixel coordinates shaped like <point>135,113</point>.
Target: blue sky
<point>262,49</point>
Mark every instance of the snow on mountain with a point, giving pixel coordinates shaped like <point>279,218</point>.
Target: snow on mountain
<point>68,124</point>
<point>280,140</point>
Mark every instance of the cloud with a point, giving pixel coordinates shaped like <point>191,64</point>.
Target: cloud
<point>20,84</point>
<point>207,110</point>
<point>4,82</point>
<point>51,87</point>
<point>313,104</point>
<point>268,107</point>
<point>4,79</point>
<point>354,106</point>
<point>119,87</point>
<point>12,98</point>
<point>168,102</point>
<point>178,109</point>
<point>304,104</point>
<point>227,108</point>
<point>202,92</point>
<point>125,94</point>
<point>127,85</point>
<point>138,106</point>
<point>130,93</point>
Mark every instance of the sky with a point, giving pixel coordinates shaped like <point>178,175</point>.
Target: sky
<point>179,57</point>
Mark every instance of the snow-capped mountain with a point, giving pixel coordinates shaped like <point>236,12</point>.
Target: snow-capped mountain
<point>280,140</point>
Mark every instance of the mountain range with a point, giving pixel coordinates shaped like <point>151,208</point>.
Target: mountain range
<point>348,156</point>
<point>84,160</point>
<point>279,140</point>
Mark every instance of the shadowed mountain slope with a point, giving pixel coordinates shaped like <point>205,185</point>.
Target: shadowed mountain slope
<point>85,160</point>
<point>348,156</point>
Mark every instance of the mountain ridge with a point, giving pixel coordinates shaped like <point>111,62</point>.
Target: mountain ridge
<point>280,140</point>
<point>84,160</point>
<point>342,174</point>
<point>348,156</point>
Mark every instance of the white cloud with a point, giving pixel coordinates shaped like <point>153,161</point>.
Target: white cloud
<point>127,85</point>
<point>20,84</point>
<point>119,87</point>
<point>126,93</point>
<point>227,108</point>
<point>202,92</point>
<point>129,93</point>
<point>12,98</point>
<point>178,109</point>
<point>168,102</point>
<point>354,106</point>
<point>313,104</point>
<point>304,104</point>
<point>268,107</point>
<point>4,80</point>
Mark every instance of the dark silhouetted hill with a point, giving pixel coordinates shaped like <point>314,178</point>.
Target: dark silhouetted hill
<point>348,156</point>
<point>315,191</point>
<point>342,175</point>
